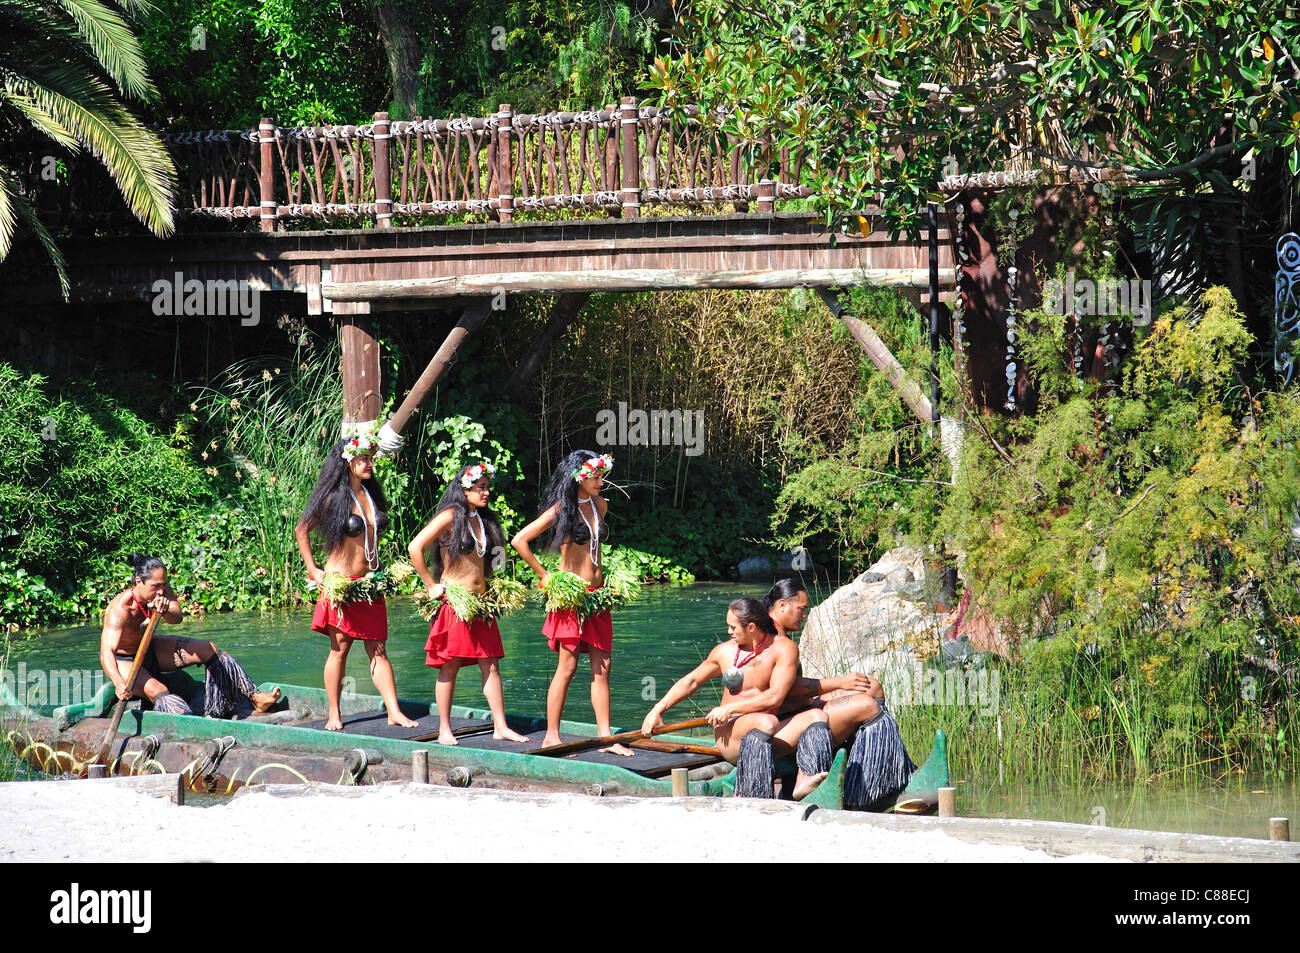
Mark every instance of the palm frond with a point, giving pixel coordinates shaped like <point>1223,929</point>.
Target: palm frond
<point>28,216</point>
<point>8,213</point>
<point>42,120</point>
<point>113,44</point>
<point>133,155</point>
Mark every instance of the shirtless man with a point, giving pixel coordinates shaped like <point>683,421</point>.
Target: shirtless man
<point>124,623</point>
<point>746,726</point>
<point>878,764</point>
<point>855,697</point>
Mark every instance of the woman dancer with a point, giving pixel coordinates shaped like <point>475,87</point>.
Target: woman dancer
<point>572,521</point>
<point>463,532</point>
<point>347,510</point>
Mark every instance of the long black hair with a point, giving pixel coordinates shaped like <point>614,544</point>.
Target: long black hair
<point>563,489</point>
<point>750,611</point>
<point>330,503</point>
<point>142,566</point>
<point>786,588</point>
<point>459,540</point>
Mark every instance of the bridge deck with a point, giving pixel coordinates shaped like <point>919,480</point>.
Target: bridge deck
<point>402,267</point>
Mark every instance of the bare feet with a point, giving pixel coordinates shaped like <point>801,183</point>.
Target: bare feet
<point>262,702</point>
<point>806,784</point>
<point>400,719</point>
<point>334,723</point>
<point>447,738</point>
<point>619,749</point>
<point>505,734</point>
<point>550,739</point>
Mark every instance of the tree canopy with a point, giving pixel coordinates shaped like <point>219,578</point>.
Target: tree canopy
<point>890,96</point>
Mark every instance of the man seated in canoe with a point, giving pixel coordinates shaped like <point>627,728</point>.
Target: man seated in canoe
<point>758,665</point>
<point>124,624</point>
<point>878,763</point>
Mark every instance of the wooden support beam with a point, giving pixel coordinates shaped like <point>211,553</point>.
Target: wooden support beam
<point>884,359</point>
<point>563,312</point>
<point>362,397</point>
<point>615,280</point>
<point>475,314</point>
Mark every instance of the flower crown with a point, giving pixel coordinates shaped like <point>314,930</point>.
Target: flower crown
<point>601,464</point>
<point>475,473</point>
<point>361,445</point>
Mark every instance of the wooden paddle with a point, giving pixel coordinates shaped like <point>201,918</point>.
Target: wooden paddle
<point>109,735</point>
<point>586,744</point>
<point>675,747</point>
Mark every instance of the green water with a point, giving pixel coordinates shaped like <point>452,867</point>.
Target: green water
<point>667,632</point>
<point>656,640</point>
<point>1240,807</point>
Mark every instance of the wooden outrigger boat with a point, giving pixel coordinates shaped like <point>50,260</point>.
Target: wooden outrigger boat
<point>290,745</point>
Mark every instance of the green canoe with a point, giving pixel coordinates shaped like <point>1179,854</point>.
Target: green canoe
<point>219,756</point>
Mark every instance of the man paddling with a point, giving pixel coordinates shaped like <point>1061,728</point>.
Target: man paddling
<point>854,704</point>
<point>124,622</point>
<point>758,665</point>
<point>848,699</point>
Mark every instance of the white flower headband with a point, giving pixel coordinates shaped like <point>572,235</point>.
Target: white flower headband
<point>601,464</point>
<point>362,445</point>
<point>475,473</point>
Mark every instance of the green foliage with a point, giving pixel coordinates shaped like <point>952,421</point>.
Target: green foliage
<point>885,97</point>
<point>69,68</point>
<point>274,420</point>
<point>1153,522</point>
<point>537,55</point>
<point>854,493</point>
<point>84,481</point>
<point>225,64</point>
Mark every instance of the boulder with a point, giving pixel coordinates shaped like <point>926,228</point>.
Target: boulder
<point>765,565</point>
<point>874,623</point>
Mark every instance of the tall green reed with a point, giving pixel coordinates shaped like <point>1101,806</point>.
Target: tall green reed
<point>275,422</point>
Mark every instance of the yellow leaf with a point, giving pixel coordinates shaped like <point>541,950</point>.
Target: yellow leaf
<point>1137,42</point>
<point>1268,48</point>
<point>864,225</point>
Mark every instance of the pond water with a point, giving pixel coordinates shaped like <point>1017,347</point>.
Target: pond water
<point>658,639</point>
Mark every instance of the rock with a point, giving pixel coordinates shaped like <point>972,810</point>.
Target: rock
<point>864,625</point>
<point>765,565</point>
<point>898,578</point>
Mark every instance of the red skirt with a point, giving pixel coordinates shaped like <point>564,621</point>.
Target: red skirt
<point>561,628</point>
<point>451,638</point>
<point>356,620</point>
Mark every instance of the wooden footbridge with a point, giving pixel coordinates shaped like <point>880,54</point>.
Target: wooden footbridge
<point>463,213</point>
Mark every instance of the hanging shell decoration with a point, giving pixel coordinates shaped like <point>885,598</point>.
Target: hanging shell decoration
<point>1286,305</point>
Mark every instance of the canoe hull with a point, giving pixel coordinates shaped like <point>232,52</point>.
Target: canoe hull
<point>268,752</point>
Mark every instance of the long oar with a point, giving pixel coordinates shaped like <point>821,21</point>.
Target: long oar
<point>109,735</point>
<point>569,747</point>
<point>675,747</point>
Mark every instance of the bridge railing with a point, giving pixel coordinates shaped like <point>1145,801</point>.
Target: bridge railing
<point>614,161</point>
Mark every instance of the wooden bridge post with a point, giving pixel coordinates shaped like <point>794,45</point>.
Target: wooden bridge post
<point>505,167</point>
<point>382,174</point>
<point>362,398</point>
<point>766,196</point>
<point>471,318</point>
<point>630,160</point>
<point>266,169</point>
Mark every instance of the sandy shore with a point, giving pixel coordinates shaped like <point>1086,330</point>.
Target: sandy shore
<point>54,821</point>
